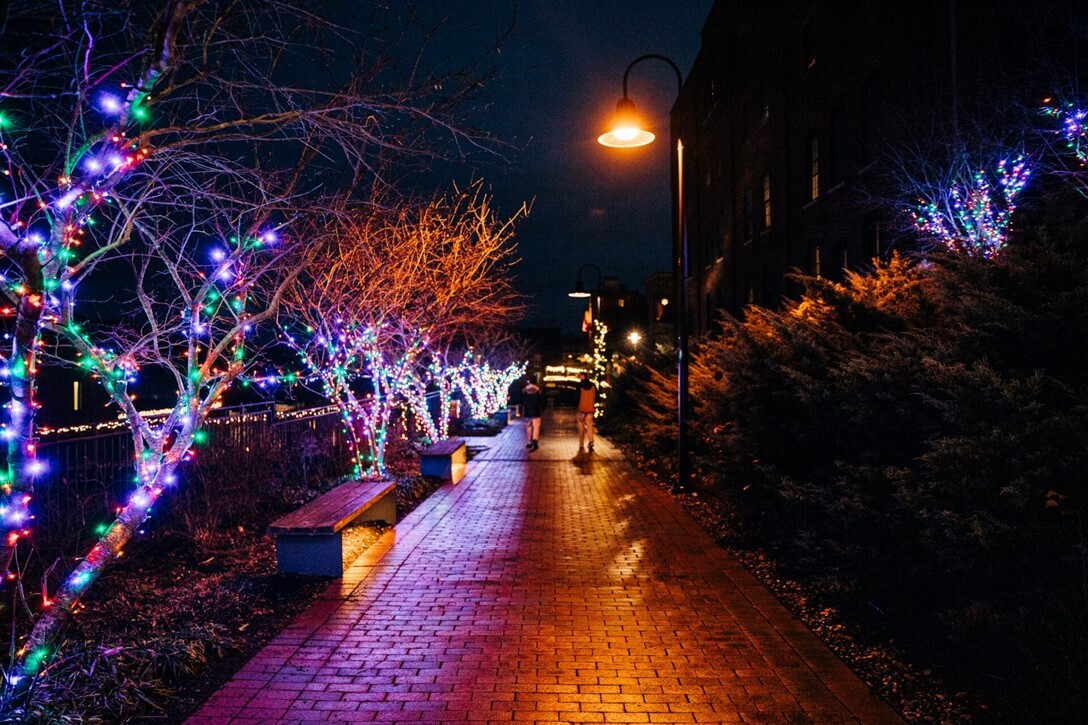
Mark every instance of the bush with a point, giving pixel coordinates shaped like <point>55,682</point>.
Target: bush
<point>915,438</point>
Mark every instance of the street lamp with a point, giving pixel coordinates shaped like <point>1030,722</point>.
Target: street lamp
<point>580,292</point>
<point>596,343</point>
<point>627,131</point>
<point>634,337</point>
<point>580,288</point>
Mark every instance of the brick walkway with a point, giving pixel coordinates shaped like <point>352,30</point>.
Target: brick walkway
<point>551,587</point>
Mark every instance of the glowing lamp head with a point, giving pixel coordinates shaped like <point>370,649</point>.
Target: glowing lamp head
<point>579,290</point>
<point>626,128</point>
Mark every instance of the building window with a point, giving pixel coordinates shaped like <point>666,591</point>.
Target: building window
<point>814,260</point>
<point>766,201</point>
<point>77,397</point>
<point>751,295</point>
<point>844,259</point>
<point>814,166</point>
<point>749,213</point>
<point>765,106</point>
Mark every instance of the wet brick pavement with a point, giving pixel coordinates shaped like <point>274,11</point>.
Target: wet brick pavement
<point>550,587</point>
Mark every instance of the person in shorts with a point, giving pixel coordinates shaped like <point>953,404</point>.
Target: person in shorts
<point>532,407</point>
<point>587,405</point>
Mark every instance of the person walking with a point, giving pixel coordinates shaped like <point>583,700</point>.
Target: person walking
<point>587,406</point>
<point>532,406</point>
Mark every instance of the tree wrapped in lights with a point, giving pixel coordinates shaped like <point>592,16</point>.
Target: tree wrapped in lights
<point>485,388</point>
<point>108,111</point>
<point>600,365</point>
<point>1069,142</point>
<point>1073,129</point>
<point>169,140</point>
<point>392,291</point>
<point>202,286</point>
<point>971,210</point>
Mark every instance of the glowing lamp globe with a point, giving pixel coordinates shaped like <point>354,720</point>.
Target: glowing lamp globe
<point>579,290</point>
<point>627,128</point>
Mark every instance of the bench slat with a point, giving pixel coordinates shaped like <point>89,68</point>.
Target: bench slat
<point>443,448</point>
<point>334,510</point>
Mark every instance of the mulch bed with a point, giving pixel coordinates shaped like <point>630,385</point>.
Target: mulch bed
<point>916,692</point>
<point>172,621</point>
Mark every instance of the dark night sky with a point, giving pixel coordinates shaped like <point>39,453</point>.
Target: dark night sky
<point>558,78</point>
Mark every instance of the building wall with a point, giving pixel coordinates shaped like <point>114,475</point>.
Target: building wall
<point>773,80</point>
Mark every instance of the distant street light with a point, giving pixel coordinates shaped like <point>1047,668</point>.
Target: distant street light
<point>580,292</point>
<point>596,329</point>
<point>634,337</point>
<point>627,131</point>
<point>579,287</point>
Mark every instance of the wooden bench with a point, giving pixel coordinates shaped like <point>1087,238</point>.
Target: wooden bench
<point>445,459</point>
<point>309,541</point>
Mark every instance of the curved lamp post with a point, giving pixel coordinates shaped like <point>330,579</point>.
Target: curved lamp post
<point>580,288</point>
<point>580,292</point>
<point>628,131</point>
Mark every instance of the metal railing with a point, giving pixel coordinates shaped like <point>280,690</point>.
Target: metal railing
<point>106,455</point>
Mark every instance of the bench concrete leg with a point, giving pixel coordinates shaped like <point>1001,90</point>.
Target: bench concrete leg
<point>311,554</point>
<point>385,509</point>
<point>450,466</point>
<point>457,472</point>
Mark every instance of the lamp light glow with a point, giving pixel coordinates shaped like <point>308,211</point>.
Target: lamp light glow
<point>626,129</point>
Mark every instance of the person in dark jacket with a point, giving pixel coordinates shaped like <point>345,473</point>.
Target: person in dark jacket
<point>532,406</point>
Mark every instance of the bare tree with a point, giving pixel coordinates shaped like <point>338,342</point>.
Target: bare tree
<point>970,209</point>
<point>164,146</point>
<point>113,110</point>
<point>202,286</point>
<point>391,293</point>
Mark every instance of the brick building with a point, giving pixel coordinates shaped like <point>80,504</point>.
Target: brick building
<point>790,110</point>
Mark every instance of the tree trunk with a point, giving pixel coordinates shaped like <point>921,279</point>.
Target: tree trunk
<point>18,483</point>
<point>36,651</point>
<point>376,413</point>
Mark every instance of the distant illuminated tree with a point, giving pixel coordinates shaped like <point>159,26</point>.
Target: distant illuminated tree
<point>970,211</point>
<point>485,388</point>
<point>391,292</point>
<point>1069,142</point>
<point>599,374</point>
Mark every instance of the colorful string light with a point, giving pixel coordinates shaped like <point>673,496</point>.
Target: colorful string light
<point>973,217</point>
